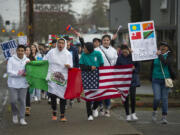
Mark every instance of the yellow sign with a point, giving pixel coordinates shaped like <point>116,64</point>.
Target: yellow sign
<point>3,30</point>
<point>20,34</point>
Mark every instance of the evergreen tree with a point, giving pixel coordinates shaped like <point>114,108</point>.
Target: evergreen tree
<point>98,15</point>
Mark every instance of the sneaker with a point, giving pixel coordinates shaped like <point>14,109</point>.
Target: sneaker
<point>54,118</point>
<point>35,98</point>
<point>63,119</point>
<point>71,102</point>
<point>90,118</point>
<point>49,100</point>
<point>128,118</point>
<point>134,117</point>
<point>154,116</point>
<point>27,113</point>
<point>164,120</point>
<point>101,112</point>
<point>23,122</point>
<point>95,113</point>
<point>58,101</point>
<point>43,96</point>
<point>107,113</point>
<point>15,119</point>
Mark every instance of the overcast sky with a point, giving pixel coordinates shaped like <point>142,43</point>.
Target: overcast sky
<point>9,9</point>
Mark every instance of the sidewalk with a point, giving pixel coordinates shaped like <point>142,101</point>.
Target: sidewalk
<point>144,97</point>
<point>40,123</point>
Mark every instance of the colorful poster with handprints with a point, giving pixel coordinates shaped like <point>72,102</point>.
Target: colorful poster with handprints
<point>143,40</point>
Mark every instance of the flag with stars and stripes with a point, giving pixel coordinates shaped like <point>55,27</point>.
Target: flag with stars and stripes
<point>107,82</point>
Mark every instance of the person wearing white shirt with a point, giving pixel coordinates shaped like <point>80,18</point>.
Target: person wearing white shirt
<point>17,84</point>
<point>110,57</point>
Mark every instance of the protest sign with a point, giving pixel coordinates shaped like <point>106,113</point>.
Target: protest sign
<point>143,40</point>
<point>22,40</point>
<point>9,48</point>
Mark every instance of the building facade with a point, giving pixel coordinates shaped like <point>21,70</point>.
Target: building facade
<point>164,13</point>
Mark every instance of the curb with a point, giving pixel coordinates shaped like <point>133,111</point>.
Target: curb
<point>143,104</point>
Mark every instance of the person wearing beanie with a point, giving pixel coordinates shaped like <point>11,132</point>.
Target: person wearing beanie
<point>96,42</point>
<point>161,68</point>
<point>89,61</point>
<point>125,58</point>
<point>54,41</point>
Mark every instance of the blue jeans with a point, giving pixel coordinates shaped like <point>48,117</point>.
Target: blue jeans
<point>160,94</point>
<point>36,93</point>
<point>107,103</point>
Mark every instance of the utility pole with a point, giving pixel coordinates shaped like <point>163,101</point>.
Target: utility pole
<point>178,33</point>
<point>20,14</point>
<point>30,7</point>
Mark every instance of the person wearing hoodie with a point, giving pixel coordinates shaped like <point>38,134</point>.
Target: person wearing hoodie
<point>17,84</point>
<point>60,60</point>
<point>125,58</point>
<point>90,60</point>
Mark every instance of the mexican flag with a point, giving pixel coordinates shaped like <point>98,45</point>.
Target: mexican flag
<point>58,36</point>
<point>36,72</point>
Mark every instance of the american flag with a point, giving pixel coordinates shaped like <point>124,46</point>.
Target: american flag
<point>107,82</point>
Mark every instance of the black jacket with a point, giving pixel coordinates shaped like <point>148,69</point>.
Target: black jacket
<point>75,56</point>
<point>169,62</point>
<point>126,61</point>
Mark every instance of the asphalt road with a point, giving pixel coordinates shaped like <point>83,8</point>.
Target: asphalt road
<point>147,127</point>
<point>40,123</point>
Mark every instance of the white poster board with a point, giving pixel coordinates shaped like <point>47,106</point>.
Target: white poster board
<point>9,48</point>
<point>22,40</point>
<point>143,40</point>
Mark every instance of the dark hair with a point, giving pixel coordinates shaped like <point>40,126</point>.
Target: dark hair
<point>164,43</point>
<point>54,41</point>
<point>21,46</point>
<point>67,38</point>
<point>31,57</point>
<point>108,36</point>
<point>27,47</point>
<point>96,39</point>
<point>89,47</point>
<point>124,47</point>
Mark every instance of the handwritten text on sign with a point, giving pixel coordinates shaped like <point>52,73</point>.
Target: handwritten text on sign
<point>9,48</point>
<point>143,40</point>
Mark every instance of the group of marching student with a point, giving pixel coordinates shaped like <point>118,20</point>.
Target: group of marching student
<point>63,56</point>
<point>102,53</point>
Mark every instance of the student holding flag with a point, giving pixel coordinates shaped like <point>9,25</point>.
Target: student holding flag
<point>60,60</point>
<point>110,56</point>
<point>89,61</point>
<point>125,58</point>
